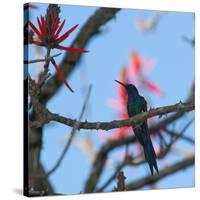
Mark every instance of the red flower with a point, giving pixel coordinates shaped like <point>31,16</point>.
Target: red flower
<point>152,86</point>
<point>49,34</point>
<point>139,70</point>
<point>136,63</point>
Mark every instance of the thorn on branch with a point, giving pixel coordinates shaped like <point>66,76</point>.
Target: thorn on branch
<point>160,116</point>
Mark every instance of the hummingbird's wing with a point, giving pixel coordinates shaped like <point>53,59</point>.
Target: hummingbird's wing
<point>144,109</point>
<point>144,104</point>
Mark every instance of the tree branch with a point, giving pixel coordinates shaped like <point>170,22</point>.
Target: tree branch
<point>42,59</point>
<point>163,173</point>
<point>175,134</point>
<point>137,119</point>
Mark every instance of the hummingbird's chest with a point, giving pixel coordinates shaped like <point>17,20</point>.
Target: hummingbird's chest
<point>134,107</point>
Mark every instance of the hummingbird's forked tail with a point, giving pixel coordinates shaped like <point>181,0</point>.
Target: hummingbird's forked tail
<point>150,155</point>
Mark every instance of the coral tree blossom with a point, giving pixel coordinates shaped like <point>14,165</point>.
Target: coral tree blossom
<point>48,35</point>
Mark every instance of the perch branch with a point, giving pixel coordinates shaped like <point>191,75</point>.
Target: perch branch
<point>137,119</point>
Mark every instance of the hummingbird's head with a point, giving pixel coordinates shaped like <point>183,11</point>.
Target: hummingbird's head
<point>130,88</point>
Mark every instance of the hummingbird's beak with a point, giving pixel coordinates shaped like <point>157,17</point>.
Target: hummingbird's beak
<point>121,83</point>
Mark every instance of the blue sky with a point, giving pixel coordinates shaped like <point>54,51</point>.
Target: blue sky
<point>109,52</point>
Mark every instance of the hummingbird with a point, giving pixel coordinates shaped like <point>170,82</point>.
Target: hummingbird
<point>137,104</point>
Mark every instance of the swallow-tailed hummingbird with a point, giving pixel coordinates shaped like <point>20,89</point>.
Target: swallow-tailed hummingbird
<point>137,104</point>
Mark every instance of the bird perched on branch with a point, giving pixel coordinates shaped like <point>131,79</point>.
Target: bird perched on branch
<point>137,104</point>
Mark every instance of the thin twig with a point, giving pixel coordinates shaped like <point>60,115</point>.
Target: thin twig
<point>184,137</point>
<point>174,139</point>
<point>45,74</point>
<point>180,135</point>
<point>42,59</point>
<point>188,40</point>
<point>72,134</point>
